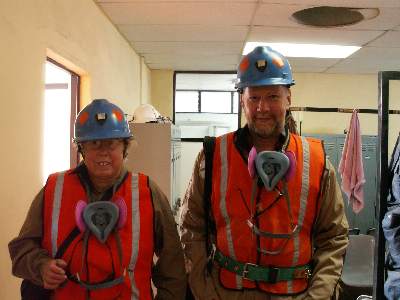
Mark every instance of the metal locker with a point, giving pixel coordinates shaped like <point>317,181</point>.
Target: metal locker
<point>366,218</point>
<point>333,145</point>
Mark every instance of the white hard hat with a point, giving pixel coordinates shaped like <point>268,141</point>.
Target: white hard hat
<point>145,113</point>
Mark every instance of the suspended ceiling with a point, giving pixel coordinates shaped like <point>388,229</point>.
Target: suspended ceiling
<point>210,35</point>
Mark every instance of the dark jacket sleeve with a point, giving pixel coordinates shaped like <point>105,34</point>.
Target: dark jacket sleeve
<point>168,274</point>
<point>193,234</point>
<point>26,252</point>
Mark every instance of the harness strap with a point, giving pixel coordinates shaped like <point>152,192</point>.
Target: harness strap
<point>255,272</point>
<point>208,146</point>
<point>98,285</point>
<point>106,283</point>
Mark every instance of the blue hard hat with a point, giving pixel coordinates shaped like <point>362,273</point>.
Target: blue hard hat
<point>101,120</point>
<point>264,66</point>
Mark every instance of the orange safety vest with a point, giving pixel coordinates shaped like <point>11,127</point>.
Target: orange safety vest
<point>230,201</point>
<point>62,192</point>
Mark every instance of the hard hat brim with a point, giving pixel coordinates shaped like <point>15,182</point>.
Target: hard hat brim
<point>265,82</point>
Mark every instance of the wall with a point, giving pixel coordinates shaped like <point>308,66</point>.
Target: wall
<point>79,33</point>
<point>162,91</point>
<point>146,83</point>
<point>343,91</point>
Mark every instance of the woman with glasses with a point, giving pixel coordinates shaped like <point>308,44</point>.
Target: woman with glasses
<point>92,231</point>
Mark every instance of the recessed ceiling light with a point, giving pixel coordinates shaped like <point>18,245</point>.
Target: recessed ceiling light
<point>328,16</point>
<point>306,50</point>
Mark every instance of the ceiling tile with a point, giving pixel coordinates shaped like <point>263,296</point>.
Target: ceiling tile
<point>313,62</point>
<point>194,66</point>
<point>320,36</point>
<point>187,33</point>
<point>360,66</point>
<point>347,3</point>
<point>281,15</point>
<point>388,18</point>
<point>309,69</point>
<point>369,60</point>
<point>160,13</point>
<point>145,1</point>
<point>389,39</point>
<point>377,54</point>
<point>352,67</point>
<point>311,65</point>
<point>183,59</point>
<point>276,15</point>
<point>193,48</point>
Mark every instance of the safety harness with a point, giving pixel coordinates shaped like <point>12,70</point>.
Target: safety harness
<point>260,273</point>
<point>100,218</point>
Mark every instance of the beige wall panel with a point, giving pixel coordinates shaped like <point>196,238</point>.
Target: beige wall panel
<point>146,83</point>
<point>162,91</point>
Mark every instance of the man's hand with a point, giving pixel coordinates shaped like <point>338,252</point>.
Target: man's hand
<point>53,273</point>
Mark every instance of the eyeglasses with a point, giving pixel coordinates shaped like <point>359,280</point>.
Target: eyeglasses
<point>110,144</point>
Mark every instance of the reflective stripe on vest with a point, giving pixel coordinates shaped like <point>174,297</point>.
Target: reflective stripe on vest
<point>303,203</point>
<point>56,212</point>
<point>223,185</point>
<point>135,234</point>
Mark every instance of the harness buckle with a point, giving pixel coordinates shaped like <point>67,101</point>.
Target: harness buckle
<point>273,275</point>
<point>246,270</point>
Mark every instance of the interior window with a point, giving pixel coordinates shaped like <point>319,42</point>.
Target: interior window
<point>205,104</point>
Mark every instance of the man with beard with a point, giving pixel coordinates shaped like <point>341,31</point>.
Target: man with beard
<point>263,216</point>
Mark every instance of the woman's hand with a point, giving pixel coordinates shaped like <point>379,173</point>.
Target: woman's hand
<point>53,273</point>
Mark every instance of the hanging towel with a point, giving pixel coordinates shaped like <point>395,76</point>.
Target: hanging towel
<point>351,166</point>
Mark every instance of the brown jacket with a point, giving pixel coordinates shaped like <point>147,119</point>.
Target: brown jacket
<point>27,255</point>
<point>330,239</point>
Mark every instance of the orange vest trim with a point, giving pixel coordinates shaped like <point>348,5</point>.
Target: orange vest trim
<point>62,192</point>
<point>231,207</point>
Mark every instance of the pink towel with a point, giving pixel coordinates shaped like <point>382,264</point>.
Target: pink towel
<point>351,166</point>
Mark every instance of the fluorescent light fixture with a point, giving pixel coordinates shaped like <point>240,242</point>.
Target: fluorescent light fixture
<point>306,50</point>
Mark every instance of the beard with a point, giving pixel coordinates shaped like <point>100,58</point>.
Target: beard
<point>266,130</point>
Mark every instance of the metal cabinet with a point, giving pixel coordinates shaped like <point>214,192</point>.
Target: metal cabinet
<point>158,155</point>
<point>333,145</point>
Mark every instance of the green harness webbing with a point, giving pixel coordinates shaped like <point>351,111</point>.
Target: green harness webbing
<point>260,273</point>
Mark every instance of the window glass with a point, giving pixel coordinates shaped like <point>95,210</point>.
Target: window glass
<point>216,102</point>
<point>60,102</point>
<point>57,120</point>
<point>186,101</point>
<point>235,102</point>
